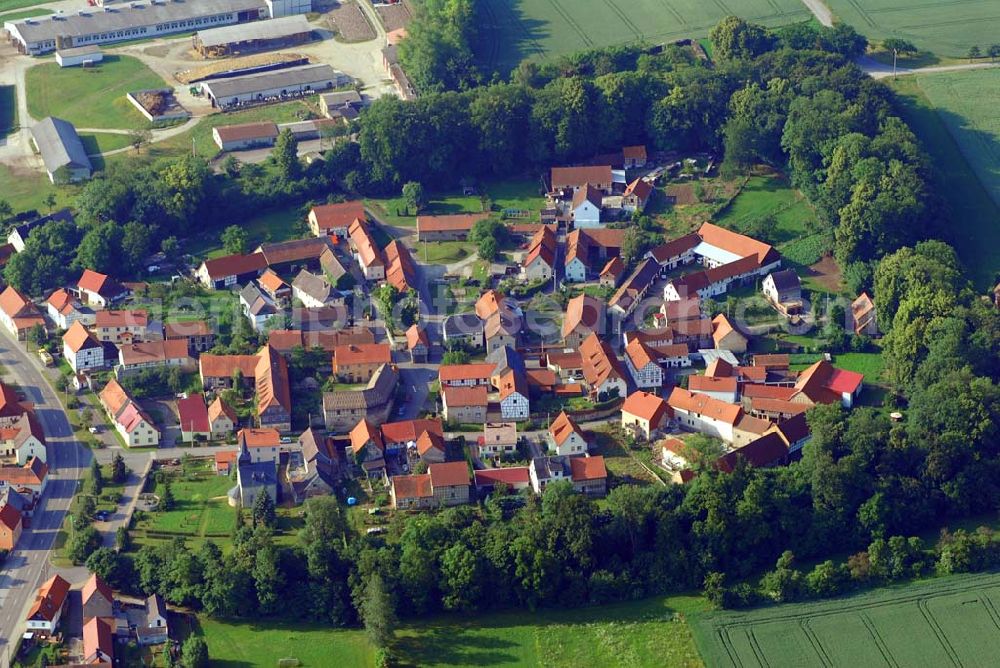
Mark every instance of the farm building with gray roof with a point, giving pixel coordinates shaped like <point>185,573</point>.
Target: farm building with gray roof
<point>62,151</point>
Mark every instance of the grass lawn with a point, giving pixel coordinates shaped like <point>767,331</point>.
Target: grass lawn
<point>27,189</point>
<point>651,632</point>
<point>946,27</point>
<point>243,644</point>
<point>201,509</point>
<point>870,364</point>
<point>99,142</point>
<point>24,14</point>
<point>513,193</point>
<point>8,110</point>
<point>92,97</point>
<point>541,29</point>
<point>280,225</point>
<point>443,252</point>
<point>943,621</point>
<point>8,5</point>
<point>793,232</point>
<point>954,114</point>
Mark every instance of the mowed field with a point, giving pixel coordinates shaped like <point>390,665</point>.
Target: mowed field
<point>652,632</point>
<point>950,621</point>
<point>955,116</point>
<point>93,97</point>
<point>537,29</point>
<point>945,27</point>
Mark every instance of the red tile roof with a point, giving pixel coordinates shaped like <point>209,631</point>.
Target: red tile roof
<point>259,438</point>
<point>712,384</point>
<point>77,337</point>
<point>331,216</point>
<point>363,353</point>
<point>449,474</point>
<point>588,468</point>
<point>563,427</point>
<point>235,265</point>
<point>193,414</point>
<point>455,397</point>
<point>646,406</point>
<point>49,599</point>
<point>737,244</point>
<point>409,430</point>
<point>412,486</point>
<point>681,399</point>
<point>450,373</point>
<point>95,585</point>
<point>573,177</point>
<point>513,475</point>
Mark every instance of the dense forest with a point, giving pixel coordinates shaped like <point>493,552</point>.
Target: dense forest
<point>865,485</point>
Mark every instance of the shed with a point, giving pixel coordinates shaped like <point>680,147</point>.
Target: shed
<point>81,55</point>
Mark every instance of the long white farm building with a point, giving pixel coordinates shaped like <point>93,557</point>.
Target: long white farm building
<point>139,20</point>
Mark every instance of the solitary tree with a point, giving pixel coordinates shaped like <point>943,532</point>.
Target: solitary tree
<point>900,46</point>
<point>234,240</point>
<point>286,156</point>
<point>167,498</point>
<point>413,193</point>
<point>6,210</point>
<point>263,510</point>
<point>119,472</point>
<point>993,51</point>
<point>974,52</point>
<point>139,137</point>
<point>50,201</point>
<point>96,477</point>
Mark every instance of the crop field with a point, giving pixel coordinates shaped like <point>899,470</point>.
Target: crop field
<point>944,27</point>
<point>950,621</point>
<point>517,29</point>
<point>954,114</point>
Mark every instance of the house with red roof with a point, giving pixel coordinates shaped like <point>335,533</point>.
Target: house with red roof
<point>644,414</point>
<point>11,525</point>
<point>565,437</point>
<point>100,290</point>
<point>226,273</point>
<point>192,416</point>
<point>589,475</point>
<point>466,405</point>
<point>47,608</point>
<point>335,219</point>
<point>514,478</point>
<point>823,383</point>
<point>81,349</point>
<point>64,309</point>
<point>98,642</point>
<point>18,314</point>
<point>444,484</point>
<point>703,414</point>
<point>540,261</point>
<point>98,598</point>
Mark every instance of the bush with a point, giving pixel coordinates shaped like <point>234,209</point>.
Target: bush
<point>827,579</point>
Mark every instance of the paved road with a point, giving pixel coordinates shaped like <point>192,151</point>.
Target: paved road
<point>28,566</point>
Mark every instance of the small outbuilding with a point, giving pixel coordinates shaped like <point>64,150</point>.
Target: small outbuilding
<point>81,55</point>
